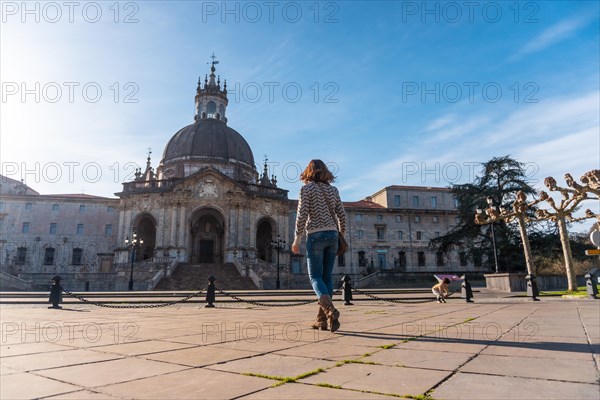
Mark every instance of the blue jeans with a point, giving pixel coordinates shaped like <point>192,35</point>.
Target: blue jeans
<point>321,249</point>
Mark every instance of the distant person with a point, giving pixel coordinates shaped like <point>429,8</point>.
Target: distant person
<point>441,290</point>
<point>319,201</point>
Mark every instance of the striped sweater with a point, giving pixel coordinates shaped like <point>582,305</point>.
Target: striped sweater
<point>313,213</point>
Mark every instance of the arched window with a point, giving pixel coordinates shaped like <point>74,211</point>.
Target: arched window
<point>222,110</point>
<point>21,255</point>
<point>211,109</point>
<point>421,258</point>
<point>77,257</point>
<point>49,256</point>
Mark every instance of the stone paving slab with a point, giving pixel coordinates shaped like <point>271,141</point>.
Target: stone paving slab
<point>299,391</point>
<point>82,395</point>
<point>35,362</point>
<point>107,372</point>
<point>142,347</point>
<point>200,356</point>
<point>496,350</point>
<point>583,371</point>
<point>379,378</point>
<point>275,365</point>
<point>487,387</point>
<point>190,384</point>
<point>29,386</point>
<point>442,360</point>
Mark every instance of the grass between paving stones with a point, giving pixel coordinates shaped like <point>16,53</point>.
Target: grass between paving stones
<point>388,346</point>
<point>343,362</point>
<point>284,379</point>
<point>328,385</point>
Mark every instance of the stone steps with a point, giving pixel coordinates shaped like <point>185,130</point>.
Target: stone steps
<point>195,277</point>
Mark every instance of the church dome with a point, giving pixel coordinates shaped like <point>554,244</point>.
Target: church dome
<point>208,140</point>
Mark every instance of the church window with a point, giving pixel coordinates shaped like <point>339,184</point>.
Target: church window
<point>108,230</point>
<point>49,256</point>
<point>359,217</point>
<point>421,258</point>
<point>21,255</point>
<point>25,228</point>
<point>360,234</point>
<point>398,218</point>
<point>400,235</point>
<point>415,201</point>
<point>439,257</point>
<point>28,206</point>
<point>54,207</point>
<point>397,200</point>
<point>402,259</point>
<point>380,233</point>
<point>82,208</point>
<point>79,229</point>
<point>110,209</point>
<point>362,260</point>
<point>77,257</point>
<point>436,219</point>
<point>477,258</point>
<point>211,109</point>
<point>222,110</point>
<point>53,228</point>
<point>419,235</point>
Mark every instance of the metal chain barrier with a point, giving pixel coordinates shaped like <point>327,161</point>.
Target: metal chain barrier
<point>408,301</point>
<point>258,303</point>
<point>95,303</point>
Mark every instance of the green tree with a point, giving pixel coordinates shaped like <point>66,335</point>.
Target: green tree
<point>500,180</point>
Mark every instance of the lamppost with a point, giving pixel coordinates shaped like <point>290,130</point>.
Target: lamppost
<point>491,205</point>
<point>279,245</point>
<point>133,244</point>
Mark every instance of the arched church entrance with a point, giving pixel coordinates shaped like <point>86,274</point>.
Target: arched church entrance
<point>264,236</point>
<point>145,227</point>
<point>207,235</point>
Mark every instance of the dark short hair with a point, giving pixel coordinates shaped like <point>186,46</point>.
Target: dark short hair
<point>446,280</point>
<point>317,171</point>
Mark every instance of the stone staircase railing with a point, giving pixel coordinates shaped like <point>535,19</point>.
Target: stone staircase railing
<point>246,271</point>
<point>13,281</point>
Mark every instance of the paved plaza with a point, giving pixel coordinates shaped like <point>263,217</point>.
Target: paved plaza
<point>504,349</point>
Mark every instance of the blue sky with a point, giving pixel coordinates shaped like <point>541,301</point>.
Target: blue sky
<point>392,93</point>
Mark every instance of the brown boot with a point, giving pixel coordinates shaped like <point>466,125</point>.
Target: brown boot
<point>321,321</point>
<point>330,312</point>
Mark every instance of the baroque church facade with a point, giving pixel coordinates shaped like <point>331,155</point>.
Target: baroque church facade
<point>206,203</point>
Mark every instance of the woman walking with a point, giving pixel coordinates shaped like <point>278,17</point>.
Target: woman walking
<point>320,215</point>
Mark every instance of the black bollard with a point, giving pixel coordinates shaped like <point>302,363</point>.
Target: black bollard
<point>592,289</point>
<point>465,290</point>
<point>532,289</point>
<point>210,292</point>
<point>347,296</point>
<point>56,292</point>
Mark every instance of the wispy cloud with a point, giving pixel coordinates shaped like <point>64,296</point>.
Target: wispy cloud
<point>558,136</point>
<point>554,34</point>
